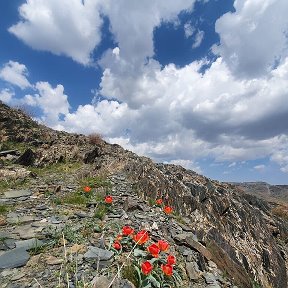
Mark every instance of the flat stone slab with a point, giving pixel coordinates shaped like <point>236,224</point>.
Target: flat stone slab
<point>29,244</point>
<point>27,232</point>
<point>98,253</point>
<point>17,193</point>
<point>14,258</point>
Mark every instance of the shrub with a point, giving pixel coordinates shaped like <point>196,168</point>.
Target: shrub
<point>95,139</point>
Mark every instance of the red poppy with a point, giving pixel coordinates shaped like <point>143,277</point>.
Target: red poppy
<point>167,269</point>
<point>159,201</point>
<point>146,267</point>
<point>141,237</point>
<point>87,189</point>
<point>127,230</point>
<point>168,209</point>
<point>108,199</point>
<point>117,245</point>
<point>163,245</point>
<point>154,250</point>
<point>171,260</point>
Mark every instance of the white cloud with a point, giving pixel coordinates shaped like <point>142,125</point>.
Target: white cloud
<point>66,27</point>
<point>254,38</point>
<point>233,164</point>
<point>179,114</point>
<point>140,20</point>
<point>188,164</point>
<point>188,29</point>
<point>16,74</point>
<point>6,95</point>
<point>260,168</point>
<point>78,24</point>
<point>199,37</point>
<point>52,101</point>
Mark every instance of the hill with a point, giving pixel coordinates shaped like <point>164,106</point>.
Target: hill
<point>56,230</point>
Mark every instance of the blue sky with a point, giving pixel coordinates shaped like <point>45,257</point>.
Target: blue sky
<point>200,83</point>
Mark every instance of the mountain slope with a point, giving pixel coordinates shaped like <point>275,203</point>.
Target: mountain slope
<point>236,231</point>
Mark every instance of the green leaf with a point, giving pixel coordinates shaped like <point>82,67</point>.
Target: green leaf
<point>177,277</point>
<point>153,260</point>
<point>139,253</point>
<point>147,286</point>
<point>154,281</point>
<point>138,274</point>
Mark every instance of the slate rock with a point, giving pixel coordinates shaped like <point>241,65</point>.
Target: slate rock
<point>29,244</point>
<point>17,193</point>
<point>209,278</point>
<point>98,253</point>
<point>101,282</point>
<point>191,271</point>
<point>14,258</point>
<point>27,158</point>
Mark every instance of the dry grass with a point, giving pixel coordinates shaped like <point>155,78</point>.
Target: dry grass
<point>95,139</point>
<point>281,211</point>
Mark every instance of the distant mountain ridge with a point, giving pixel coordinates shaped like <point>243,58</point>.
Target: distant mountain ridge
<point>264,190</point>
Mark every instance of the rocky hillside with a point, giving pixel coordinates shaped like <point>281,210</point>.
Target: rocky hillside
<point>54,232</point>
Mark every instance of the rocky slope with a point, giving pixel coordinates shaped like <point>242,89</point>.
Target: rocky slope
<point>221,235</point>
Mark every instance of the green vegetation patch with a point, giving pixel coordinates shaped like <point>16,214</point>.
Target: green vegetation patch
<point>14,184</point>
<point>3,209</point>
<point>56,168</point>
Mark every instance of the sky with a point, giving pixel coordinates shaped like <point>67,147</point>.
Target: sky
<point>199,83</point>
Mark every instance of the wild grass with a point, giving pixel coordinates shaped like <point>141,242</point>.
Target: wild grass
<point>14,184</point>
<point>3,209</point>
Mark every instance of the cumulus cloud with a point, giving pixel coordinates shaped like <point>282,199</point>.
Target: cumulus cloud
<point>52,101</point>
<point>66,27</point>
<point>235,111</point>
<point>145,16</point>
<point>253,40</point>
<point>16,74</point>
<point>6,96</point>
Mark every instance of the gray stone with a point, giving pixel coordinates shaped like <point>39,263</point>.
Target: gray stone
<point>20,219</point>
<point>210,278</point>
<point>193,274</point>
<point>187,252</point>
<point>14,258</point>
<point>18,276</point>
<point>29,244</point>
<point>17,193</point>
<point>101,282</point>
<point>215,285</point>
<point>9,243</point>
<point>81,214</point>
<point>98,253</point>
<point>27,232</point>
<point>7,272</point>
<point>54,220</point>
